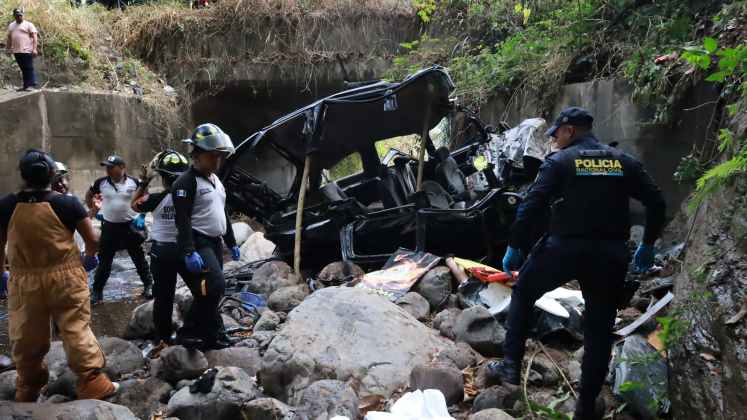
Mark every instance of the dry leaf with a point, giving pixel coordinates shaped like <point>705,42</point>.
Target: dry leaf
<point>371,403</point>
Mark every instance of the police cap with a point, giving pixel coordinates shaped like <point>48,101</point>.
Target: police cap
<point>575,116</point>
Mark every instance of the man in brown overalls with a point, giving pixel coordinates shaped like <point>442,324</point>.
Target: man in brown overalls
<point>48,282</point>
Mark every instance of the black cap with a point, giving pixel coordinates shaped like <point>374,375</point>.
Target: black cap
<point>571,116</point>
<point>37,167</point>
<point>17,12</point>
<point>113,160</point>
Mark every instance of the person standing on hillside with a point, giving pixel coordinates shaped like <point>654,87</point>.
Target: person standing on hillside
<point>121,227</point>
<point>48,281</point>
<point>23,43</point>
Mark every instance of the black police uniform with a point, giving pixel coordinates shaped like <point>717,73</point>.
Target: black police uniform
<point>587,185</point>
<point>202,224</point>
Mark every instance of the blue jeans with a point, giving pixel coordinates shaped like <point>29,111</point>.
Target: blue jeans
<point>26,63</point>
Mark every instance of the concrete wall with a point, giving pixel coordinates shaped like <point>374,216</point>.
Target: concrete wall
<point>618,118</point>
<point>79,129</point>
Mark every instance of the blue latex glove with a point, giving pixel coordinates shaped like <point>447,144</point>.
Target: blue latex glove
<point>235,253</point>
<point>99,217</point>
<point>512,260</point>
<point>194,262</point>
<point>4,284</point>
<point>90,262</point>
<point>139,222</point>
<point>643,259</point>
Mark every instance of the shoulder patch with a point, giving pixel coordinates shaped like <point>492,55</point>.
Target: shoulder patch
<point>182,193</point>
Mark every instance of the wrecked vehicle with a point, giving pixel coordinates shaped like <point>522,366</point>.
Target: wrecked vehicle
<point>366,216</point>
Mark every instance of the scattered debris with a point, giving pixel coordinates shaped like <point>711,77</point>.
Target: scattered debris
<point>653,310</point>
<point>399,274</point>
<point>641,377</point>
<point>417,405</point>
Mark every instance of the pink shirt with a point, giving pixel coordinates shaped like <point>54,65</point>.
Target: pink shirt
<point>21,40</point>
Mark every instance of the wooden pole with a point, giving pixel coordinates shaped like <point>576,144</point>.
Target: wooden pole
<point>299,216</point>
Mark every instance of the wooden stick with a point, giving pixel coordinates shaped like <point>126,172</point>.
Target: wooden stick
<point>299,216</point>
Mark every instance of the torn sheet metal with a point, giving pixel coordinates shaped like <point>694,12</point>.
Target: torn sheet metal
<point>653,310</point>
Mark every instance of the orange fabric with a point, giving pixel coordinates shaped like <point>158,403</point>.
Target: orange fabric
<point>48,282</point>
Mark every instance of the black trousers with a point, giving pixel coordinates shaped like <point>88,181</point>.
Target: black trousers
<point>203,319</point>
<point>114,237</point>
<point>165,263</point>
<point>26,63</point>
<point>600,267</point>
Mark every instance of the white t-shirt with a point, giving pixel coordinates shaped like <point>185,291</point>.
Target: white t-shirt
<point>164,228</point>
<point>116,198</point>
<point>209,211</point>
<point>21,37</point>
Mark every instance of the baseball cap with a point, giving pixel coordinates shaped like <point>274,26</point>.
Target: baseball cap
<point>113,160</point>
<point>575,116</point>
<point>17,12</point>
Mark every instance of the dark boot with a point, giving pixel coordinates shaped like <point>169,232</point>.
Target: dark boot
<point>589,412</point>
<point>97,296</point>
<point>505,370</point>
<point>147,292</point>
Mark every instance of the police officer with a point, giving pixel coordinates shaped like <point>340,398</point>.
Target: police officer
<point>587,186</point>
<point>120,227</point>
<point>165,260</point>
<point>201,221</point>
<point>48,282</point>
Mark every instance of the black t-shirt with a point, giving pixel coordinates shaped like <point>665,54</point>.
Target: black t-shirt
<point>152,202</point>
<point>68,208</point>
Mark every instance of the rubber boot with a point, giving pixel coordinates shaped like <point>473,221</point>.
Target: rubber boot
<point>586,412</point>
<point>504,371</point>
<point>95,386</point>
<point>147,292</point>
<point>28,391</point>
<point>97,296</point>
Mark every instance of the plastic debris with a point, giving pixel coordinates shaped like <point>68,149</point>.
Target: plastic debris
<point>652,310</point>
<point>400,273</point>
<point>417,405</point>
<point>641,377</point>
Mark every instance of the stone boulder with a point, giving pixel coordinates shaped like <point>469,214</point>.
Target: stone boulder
<point>141,322</point>
<point>183,300</point>
<point>245,358</point>
<point>435,286</point>
<point>476,327</point>
<point>491,414</point>
<point>242,232</point>
<point>177,363</point>
<point>232,389</point>
<point>257,247</point>
<point>347,334</point>
<point>445,321</point>
<point>460,356</point>
<point>272,276</point>
<point>268,321</point>
<point>285,299</point>
<point>268,409</point>
<point>445,378</point>
<point>142,396</point>
<point>8,385</point>
<point>339,272</point>
<point>328,398</point>
<point>415,305</point>
<point>497,396</point>
<point>74,410</point>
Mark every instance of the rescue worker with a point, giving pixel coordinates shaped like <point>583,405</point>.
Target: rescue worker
<point>587,186</point>
<point>165,259</point>
<point>49,282</point>
<point>61,182</point>
<point>201,222</point>
<point>121,227</point>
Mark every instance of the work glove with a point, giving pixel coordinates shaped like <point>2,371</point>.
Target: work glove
<point>99,216</point>
<point>643,259</point>
<point>235,253</point>
<point>139,222</point>
<point>194,262</point>
<point>90,262</point>
<point>4,284</point>
<point>512,260</point>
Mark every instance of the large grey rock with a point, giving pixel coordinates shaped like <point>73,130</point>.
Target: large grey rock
<point>177,363</point>
<point>435,286</point>
<point>347,334</point>
<point>122,357</point>
<point>476,327</point>
<point>637,362</point>
<point>268,409</point>
<point>268,321</point>
<point>287,298</point>
<point>141,322</point>
<point>74,410</point>
<point>445,321</point>
<point>142,396</point>
<point>231,390</point>
<point>258,340</point>
<point>415,305</point>
<point>183,300</point>
<point>491,414</point>
<point>245,358</point>
<point>257,247</point>
<point>339,272</point>
<point>328,398</point>
<point>272,276</point>
<point>460,356</point>
<point>445,378</point>
<point>8,385</point>
<point>497,396</point>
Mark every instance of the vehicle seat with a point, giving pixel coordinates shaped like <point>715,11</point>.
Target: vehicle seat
<point>405,175</point>
<point>437,196</point>
<point>450,176</point>
<point>390,188</point>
